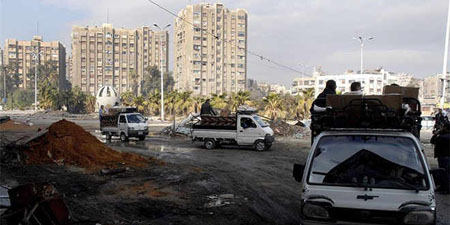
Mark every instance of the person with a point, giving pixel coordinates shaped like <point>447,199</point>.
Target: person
<point>441,141</point>
<point>355,89</point>
<point>320,102</point>
<point>101,112</point>
<point>207,109</point>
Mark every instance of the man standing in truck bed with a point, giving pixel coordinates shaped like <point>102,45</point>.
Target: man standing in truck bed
<point>207,109</point>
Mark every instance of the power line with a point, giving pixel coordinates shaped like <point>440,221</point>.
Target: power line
<point>263,58</point>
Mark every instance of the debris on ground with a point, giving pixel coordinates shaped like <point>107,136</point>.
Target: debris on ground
<point>219,200</point>
<point>36,203</point>
<point>66,143</point>
<point>281,128</point>
<point>11,125</point>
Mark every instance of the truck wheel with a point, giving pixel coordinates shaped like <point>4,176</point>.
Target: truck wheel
<point>260,145</point>
<point>141,138</point>
<point>209,144</point>
<point>123,137</point>
<point>108,136</point>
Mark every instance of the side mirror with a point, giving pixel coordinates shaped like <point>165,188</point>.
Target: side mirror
<point>439,176</point>
<point>298,172</point>
<point>146,118</point>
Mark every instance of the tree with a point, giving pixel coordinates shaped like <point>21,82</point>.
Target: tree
<point>138,102</point>
<point>152,80</point>
<point>185,102</point>
<point>90,103</point>
<point>273,106</point>
<point>134,82</point>
<point>127,98</point>
<point>171,102</point>
<point>12,78</point>
<point>50,97</point>
<point>218,101</point>
<point>198,101</point>
<point>240,98</point>
<point>21,99</point>
<point>153,103</point>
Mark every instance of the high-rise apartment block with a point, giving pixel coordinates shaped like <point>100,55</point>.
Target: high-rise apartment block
<point>210,49</point>
<point>117,57</point>
<point>20,53</point>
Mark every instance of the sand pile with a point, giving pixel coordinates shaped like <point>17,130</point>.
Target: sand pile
<point>66,143</point>
<point>282,128</point>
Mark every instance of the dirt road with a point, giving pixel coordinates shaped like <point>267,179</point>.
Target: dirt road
<point>228,185</point>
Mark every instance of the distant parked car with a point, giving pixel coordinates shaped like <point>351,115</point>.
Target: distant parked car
<point>427,122</point>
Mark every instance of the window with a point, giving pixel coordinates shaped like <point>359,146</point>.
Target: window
<point>122,119</point>
<point>247,123</point>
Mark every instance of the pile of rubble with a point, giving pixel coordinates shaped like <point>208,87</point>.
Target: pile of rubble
<point>66,143</point>
<point>281,128</point>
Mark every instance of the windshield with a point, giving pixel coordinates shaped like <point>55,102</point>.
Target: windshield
<point>135,118</point>
<point>368,161</point>
<point>260,122</point>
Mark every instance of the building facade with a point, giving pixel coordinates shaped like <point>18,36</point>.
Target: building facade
<point>69,74</point>
<point>20,53</point>
<point>372,81</point>
<point>432,89</point>
<point>116,57</point>
<point>210,46</point>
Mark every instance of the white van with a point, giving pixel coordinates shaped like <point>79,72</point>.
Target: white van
<point>363,176</point>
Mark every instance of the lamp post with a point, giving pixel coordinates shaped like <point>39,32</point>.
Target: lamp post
<point>444,67</point>
<point>361,41</point>
<point>36,59</point>
<point>161,68</point>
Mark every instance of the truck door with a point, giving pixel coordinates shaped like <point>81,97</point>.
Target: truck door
<point>247,131</point>
<point>123,126</point>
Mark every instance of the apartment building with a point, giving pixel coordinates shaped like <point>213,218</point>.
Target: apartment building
<point>372,81</point>
<point>20,53</point>
<point>432,89</point>
<point>69,74</point>
<point>117,57</point>
<point>210,49</point>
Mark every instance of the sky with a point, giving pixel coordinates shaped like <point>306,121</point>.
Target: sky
<point>408,34</point>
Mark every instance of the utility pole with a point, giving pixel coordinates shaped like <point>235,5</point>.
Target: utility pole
<point>361,41</point>
<point>161,67</point>
<point>36,57</point>
<point>444,67</point>
<point>2,70</point>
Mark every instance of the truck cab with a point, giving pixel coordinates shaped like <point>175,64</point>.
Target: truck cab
<point>125,124</point>
<point>243,129</point>
<point>366,165</point>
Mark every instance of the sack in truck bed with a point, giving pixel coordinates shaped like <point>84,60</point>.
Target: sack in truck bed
<point>216,122</point>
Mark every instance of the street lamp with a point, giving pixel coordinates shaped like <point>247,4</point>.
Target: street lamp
<point>36,59</point>
<point>161,69</point>
<point>361,41</point>
<point>444,67</point>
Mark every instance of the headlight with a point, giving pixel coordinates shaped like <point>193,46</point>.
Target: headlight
<point>315,211</point>
<point>419,218</point>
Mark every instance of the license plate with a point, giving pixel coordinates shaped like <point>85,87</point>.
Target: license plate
<point>140,132</point>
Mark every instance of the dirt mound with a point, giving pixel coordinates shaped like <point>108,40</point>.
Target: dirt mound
<point>11,125</point>
<point>66,143</point>
<point>282,128</point>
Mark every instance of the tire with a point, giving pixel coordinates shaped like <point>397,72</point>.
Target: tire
<point>123,137</point>
<point>260,146</point>
<point>141,138</point>
<point>209,144</point>
<point>108,136</point>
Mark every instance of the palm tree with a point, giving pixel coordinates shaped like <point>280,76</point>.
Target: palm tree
<point>185,102</point>
<point>138,102</point>
<point>90,103</point>
<point>172,101</point>
<point>218,101</point>
<point>127,98</point>
<point>133,79</point>
<point>198,101</point>
<point>308,99</point>
<point>273,106</point>
<point>240,98</point>
<point>153,103</point>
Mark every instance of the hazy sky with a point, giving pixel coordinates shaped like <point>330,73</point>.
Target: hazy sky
<point>409,34</point>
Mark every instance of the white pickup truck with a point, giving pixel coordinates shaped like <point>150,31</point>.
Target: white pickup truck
<point>124,123</point>
<point>367,169</point>
<point>240,129</point>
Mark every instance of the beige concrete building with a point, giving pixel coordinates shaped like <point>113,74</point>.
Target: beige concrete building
<point>117,57</point>
<point>69,74</point>
<point>432,89</point>
<point>210,49</point>
<point>20,52</point>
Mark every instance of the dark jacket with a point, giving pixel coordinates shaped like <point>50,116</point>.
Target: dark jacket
<point>207,109</point>
<point>321,98</point>
<point>441,145</point>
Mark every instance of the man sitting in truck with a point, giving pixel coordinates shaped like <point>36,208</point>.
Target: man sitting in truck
<point>320,103</point>
<point>355,89</point>
<point>207,109</point>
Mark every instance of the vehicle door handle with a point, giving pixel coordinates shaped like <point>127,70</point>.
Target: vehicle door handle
<point>241,131</point>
